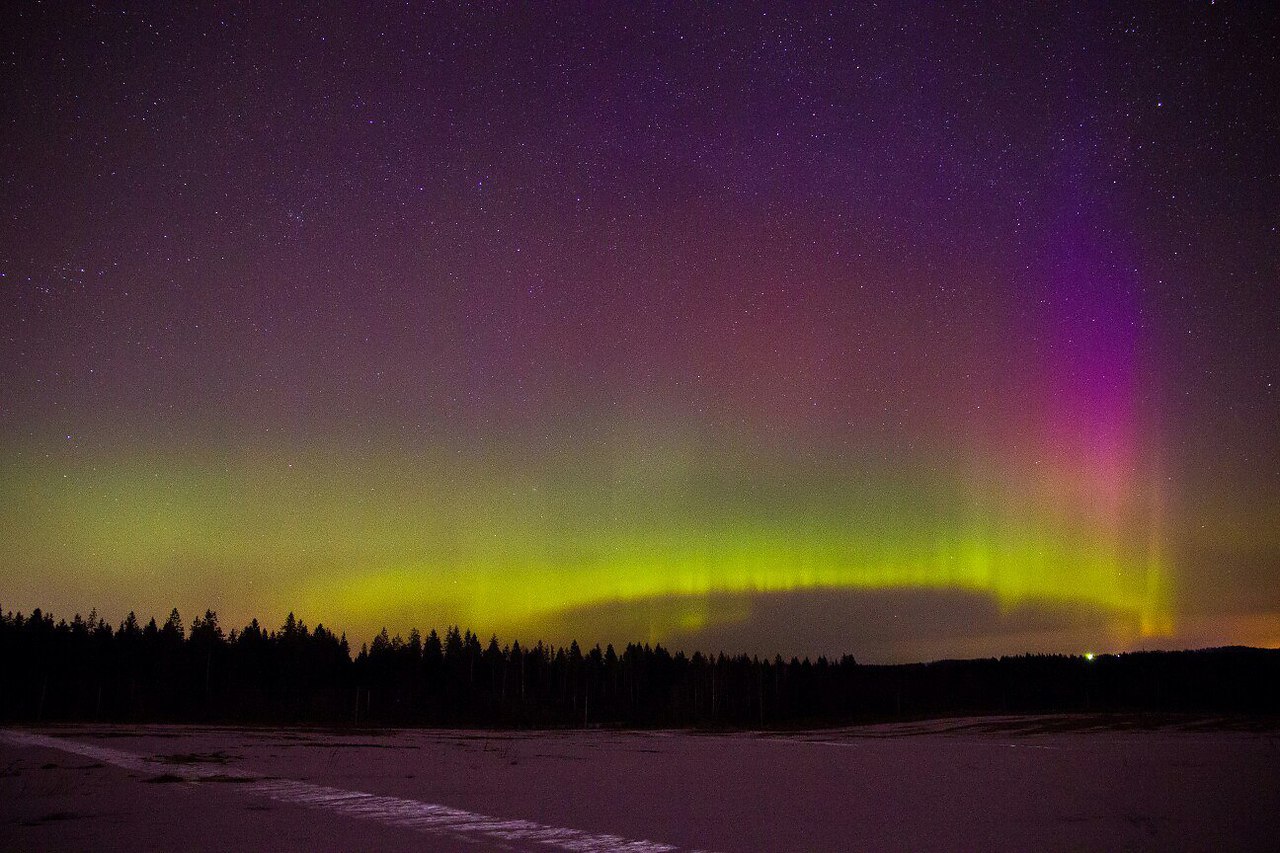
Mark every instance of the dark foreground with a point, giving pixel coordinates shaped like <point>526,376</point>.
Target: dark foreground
<point>990,784</point>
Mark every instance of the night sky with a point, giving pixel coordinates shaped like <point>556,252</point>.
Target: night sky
<point>910,331</point>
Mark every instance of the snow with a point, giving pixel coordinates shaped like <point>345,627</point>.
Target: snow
<point>987,783</point>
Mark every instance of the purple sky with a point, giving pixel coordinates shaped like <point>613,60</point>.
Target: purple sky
<point>786,311</point>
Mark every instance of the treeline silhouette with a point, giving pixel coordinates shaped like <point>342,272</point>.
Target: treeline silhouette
<point>86,670</point>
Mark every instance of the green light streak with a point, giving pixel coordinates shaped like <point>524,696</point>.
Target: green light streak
<point>501,539</point>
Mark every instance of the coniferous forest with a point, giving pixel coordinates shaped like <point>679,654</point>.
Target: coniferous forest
<point>87,670</point>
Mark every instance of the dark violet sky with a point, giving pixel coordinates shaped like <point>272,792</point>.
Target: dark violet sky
<point>909,330</point>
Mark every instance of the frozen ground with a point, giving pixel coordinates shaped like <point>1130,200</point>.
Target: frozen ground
<point>988,784</point>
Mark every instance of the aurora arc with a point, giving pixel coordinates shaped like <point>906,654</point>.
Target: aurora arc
<point>498,539</point>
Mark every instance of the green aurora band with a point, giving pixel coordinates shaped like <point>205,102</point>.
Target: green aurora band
<point>507,539</point>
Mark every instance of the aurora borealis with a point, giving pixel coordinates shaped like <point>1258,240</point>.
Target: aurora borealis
<point>911,332</point>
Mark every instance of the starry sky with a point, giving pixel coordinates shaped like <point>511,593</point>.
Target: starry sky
<point>909,330</point>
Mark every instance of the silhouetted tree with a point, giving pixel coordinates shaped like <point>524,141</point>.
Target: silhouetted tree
<point>82,669</point>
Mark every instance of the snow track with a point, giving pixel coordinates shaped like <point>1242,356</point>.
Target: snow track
<point>415,815</point>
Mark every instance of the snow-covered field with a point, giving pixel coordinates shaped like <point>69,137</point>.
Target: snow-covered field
<point>977,784</point>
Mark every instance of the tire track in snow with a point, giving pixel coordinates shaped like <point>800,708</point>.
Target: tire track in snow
<point>416,815</point>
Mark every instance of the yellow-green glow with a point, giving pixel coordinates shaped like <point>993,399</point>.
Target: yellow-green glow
<point>504,539</point>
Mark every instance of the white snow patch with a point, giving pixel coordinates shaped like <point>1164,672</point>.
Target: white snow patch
<point>391,811</point>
